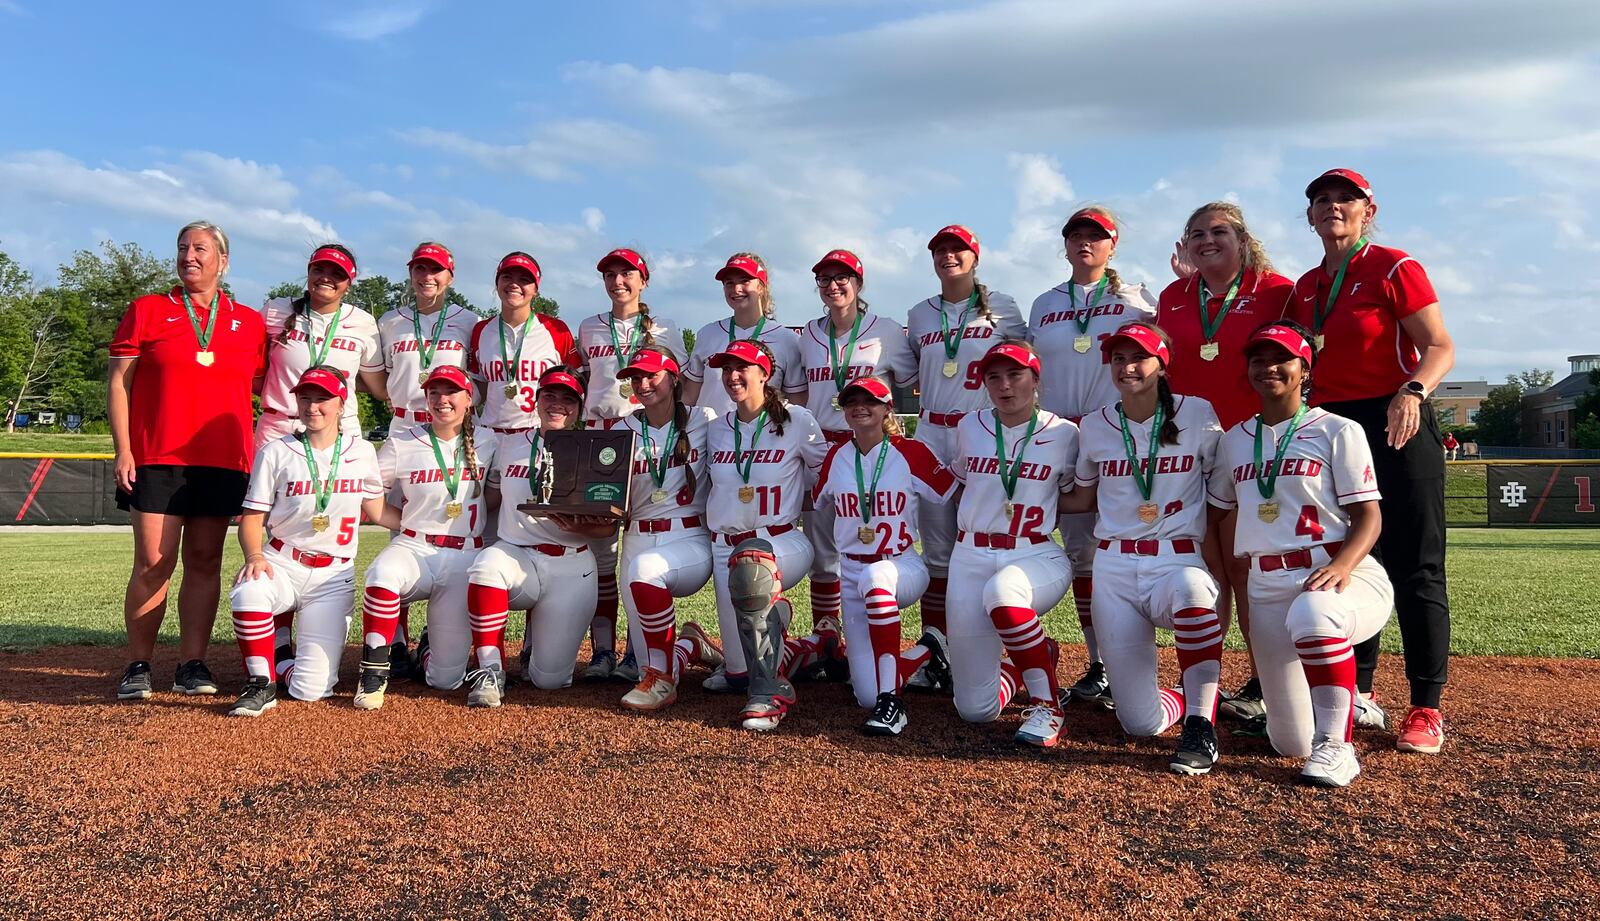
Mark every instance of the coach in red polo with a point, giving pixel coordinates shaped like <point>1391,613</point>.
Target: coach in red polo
<point>183,366</point>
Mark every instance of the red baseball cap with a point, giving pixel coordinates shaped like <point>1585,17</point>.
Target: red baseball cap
<point>322,378</point>
<point>958,233</point>
<point>632,258</point>
<point>742,265</point>
<point>449,374</point>
<point>841,257</point>
<point>1142,336</point>
<point>331,255</point>
<point>518,260</point>
<point>648,361</point>
<point>561,377</point>
<point>871,386</point>
<point>1286,336</point>
<point>1009,351</point>
<point>1090,216</point>
<point>1341,175</point>
<point>742,350</point>
<point>434,253</point>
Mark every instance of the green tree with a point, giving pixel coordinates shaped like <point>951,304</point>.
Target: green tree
<point>1587,433</point>
<point>1534,379</point>
<point>95,290</point>
<point>290,289</point>
<point>1500,415</point>
<point>688,342</point>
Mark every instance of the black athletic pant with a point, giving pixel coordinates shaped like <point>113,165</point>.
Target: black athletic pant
<point>1411,547</point>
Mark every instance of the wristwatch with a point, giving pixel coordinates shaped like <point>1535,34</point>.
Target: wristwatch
<point>1414,389</point>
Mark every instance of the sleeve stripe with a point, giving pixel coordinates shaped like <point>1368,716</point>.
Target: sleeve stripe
<point>255,506</point>
<point>1360,492</point>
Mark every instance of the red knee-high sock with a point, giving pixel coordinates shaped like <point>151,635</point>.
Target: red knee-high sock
<point>1024,639</point>
<point>658,621</point>
<point>1171,707</point>
<point>825,600</point>
<point>1010,680</point>
<point>883,631</point>
<point>487,609</point>
<point>909,661</point>
<point>682,657</point>
<point>1197,635</point>
<point>1082,596</point>
<point>1330,666</point>
<point>283,628</point>
<point>933,603</point>
<point>603,629</point>
<point>380,615</point>
<point>403,632</point>
<point>254,632</point>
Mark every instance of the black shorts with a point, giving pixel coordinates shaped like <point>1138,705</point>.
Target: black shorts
<point>178,489</point>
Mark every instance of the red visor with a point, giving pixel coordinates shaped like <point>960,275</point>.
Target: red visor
<point>1142,336</point>
<point>322,379</point>
<point>958,233</point>
<point>870,386</point>
<point>648,361</point>
<point>745,351</point>
<point>561,377</point>
<point>518,260</point>
<point>1015,354</point>
<point>842,258</point>
<point>434,253</point>
<point>331,255</point>
<point>1341,175</point>
<point>633,259</point>
<point>1285,336</point>
<point>1087,216</point>
<point>742,265</point>
<point>449,374</point>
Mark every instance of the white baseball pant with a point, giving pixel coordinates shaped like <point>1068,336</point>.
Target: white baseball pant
<point>418,571</point>
<point>906,578</point>
<point>936,521</point>
<point>676,561</point>
<point>1033,576</point>
<point>323,600</point>
<point>559,590</point>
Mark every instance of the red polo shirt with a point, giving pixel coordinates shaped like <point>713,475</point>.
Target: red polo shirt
<point>1365,351</point>
<point>183,412</point>
<point>1222,380</point>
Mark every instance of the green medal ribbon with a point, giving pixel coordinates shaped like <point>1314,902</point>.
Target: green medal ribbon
<point>738,440</point>
<point>841,369</point>
<point>1209,326</point>
<point>424,350</point>
<point>658,466</point>
<point>861,482</point>
<point>202,334</point>
<point>953,346</point>
<point>533,455</point>
<point>1265,482</point>
<point>624,358</point>
<point>1008,478</point>
<point>1072,301</point>
<point>733,324</point>
<point>1144,479</point>
<point>1326,309</point>
<point>323,491</point>
<point>319,356</point>
<point>452,478</point>
<point>513,366</point>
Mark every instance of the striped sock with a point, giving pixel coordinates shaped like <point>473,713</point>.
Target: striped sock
<point>1024,639</point>
<point>1330,666</point>
<point>380,615</point>
<point>1171,707</point>
<point>658,621</point>
<point>1010,680</point>
<point>486,618</point>
<point>883,631</point>
<point>253,629</point>
<point>1197,634</point>
<point>933,603</point>
<point>825,599</point>
<point>1082,595</point>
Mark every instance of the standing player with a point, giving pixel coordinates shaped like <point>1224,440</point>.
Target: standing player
<point>509,353</point>
<point>299,533</point>
<point>1143,462</point>
<point>1015,462</point>
<point>844,344</point>
<point>436,472</point>
<point>745,288</point>
<point>873,483</point>
<point>541,565</point>
<point>1066,325</point>
<point>606,343</point>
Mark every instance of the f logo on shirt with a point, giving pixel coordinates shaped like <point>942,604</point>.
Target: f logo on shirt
<point>233,327</point>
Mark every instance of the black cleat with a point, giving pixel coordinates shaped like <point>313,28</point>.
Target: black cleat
<point>1093,688</point>
<point>135,683</point>
<point>1244,704</point>
<point>259,696</point>
<point>888,717</point>
<point>194,678</point>
<point>399,661</point>
<point>1197,750</point>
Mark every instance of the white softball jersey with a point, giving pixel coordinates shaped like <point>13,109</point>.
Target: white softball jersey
<point>1328,465</point>
<point>781,468</point>
<point>513,472</point>
<point>281,486</point>
<point>292,337</point>
<point>787,373</point>
<point>447,332</point>
<point>407,463</point>
<point>910,474</point>
<point>1074,383</point>
<point>881,350</point>
<point>599,354</point>
<point>650,445</point>
<point>510,380</point>
<point>1178,486</point>
<point>1045,468</point>
<point>962,390</point>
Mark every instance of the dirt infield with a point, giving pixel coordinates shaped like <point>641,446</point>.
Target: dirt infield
<point>561,805</point>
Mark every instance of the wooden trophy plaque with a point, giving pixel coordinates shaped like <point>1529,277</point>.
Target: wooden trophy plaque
<point>589,473</point>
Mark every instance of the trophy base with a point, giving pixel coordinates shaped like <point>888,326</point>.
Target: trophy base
<point>537,510</point>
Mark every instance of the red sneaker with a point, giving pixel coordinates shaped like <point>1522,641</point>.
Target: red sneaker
<point>1421,731</point>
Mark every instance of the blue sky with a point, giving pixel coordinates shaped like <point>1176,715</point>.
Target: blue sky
<point>695,129</point>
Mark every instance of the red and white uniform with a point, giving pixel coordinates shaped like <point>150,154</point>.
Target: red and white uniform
<point>598,353</point>
<point>781,468</point>
<point>1222,380</point>
<point>1328,465</point>
<point>429,558</point>
<point>881,577</point>
<point>1006,565</point>
<point>548,344</point>
<point>355,348</point>
<point>402,356</point>
<point>788,375</point>
<point>322,595</point>
<point>1150,575</point>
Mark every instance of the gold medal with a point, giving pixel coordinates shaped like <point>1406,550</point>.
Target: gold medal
<point>747,494</point>
<point>950,368</point>
<point>511,390</point>
<point>1009,509</point>
<point>1209,351</point>
<point>452,510</point>
<point>625,388</point>
<point>659,495</point>
<point>866,534</point>
<point>1317,341</point>
<point>835,401</point>
<point>205,358</point>
<point>1081,344</point>
<point>1267,511</point>
<point>1148,513</point>
<point>422,378</point>
<point>319,522</point>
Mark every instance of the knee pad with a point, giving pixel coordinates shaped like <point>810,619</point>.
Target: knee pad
<point>754,581</point>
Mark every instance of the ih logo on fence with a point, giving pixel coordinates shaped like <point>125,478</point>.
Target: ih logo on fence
<point>1513,494</point>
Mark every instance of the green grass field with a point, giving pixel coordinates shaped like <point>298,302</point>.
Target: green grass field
<point>1513,592</point>
<point>55,443</point>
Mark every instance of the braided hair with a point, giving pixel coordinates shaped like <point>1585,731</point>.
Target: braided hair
<point>1169,407</point>
<point>680,419</point>
<point>777,410</point>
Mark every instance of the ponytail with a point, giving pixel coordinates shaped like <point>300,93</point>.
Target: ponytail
<point>983,301</point>
<point>1113,280</point>
<point>1169,429</point>
<point>472,454</point>
<point>680,450</point>
<point>646,337</point>
<point>891,425</point>
<point>300,308</point>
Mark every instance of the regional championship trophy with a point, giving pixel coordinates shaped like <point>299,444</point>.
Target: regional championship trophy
<point>583,472</point>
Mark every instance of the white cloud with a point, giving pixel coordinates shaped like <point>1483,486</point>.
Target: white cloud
<point>366,22</point>
<point>688,93</point>
<point>552,154</point>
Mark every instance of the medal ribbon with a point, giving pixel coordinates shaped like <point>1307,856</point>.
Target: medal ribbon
<point>951,347</point>
<point>738,439</point>
<point>733,324</point>
<point>424,350</point>
<point>1265,482</point>
<point>1008,478</point>
<point>512,373</point>
<point>452,478</point>
<point>624,358</point>
<point>1091,303</point>
<point>323,491</point>
<point>533,454</point>
<point>658,466</point>
<point>320,356</point>
<point>204,335</point>
<point>861,482</point>
<point>1326,311</point>
<point>1208,325</point>
<point>841,369</point>
<point>1145,479</point>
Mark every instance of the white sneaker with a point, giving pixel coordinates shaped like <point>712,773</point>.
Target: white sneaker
<point>653,692</point>
<point>1332,764</point>
<point>486,687</point>
<point>1368,715</point>
<point>1041,725</point>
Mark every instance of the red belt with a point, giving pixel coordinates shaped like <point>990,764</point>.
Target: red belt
<point>1150,547</point>
<point>868,557</point>
<point>445,540</point>
<point>1000,541</point>
<point>512,431</point>
<point>659,525</point>
<point>414,417</point>
<point>836,437</point>
<point>558,549</point>
<point>1296,559</point>
<point>1073,419</point>
<point>946,420</point>
<point>734,540</point>
<point>304,558</point>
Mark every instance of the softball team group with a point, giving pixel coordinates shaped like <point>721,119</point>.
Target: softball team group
<point>1179,444</point>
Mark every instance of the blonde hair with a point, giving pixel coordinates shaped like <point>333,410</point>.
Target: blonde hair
<point>1255,255</point>
<point>217,234</point>
<point>1113,280</point>
<point>765,298</point>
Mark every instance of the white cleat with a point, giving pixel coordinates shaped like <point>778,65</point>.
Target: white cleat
<point>1332,764</point>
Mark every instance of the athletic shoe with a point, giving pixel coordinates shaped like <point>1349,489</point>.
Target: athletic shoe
<point>888,717</point>
<point>523,658</point>
<point>399,661</point>
<point>706,651</point>
<point>1332,763</point>
<point>1197,750</point>
<point>827,624</point>
<point>1041,724</point>
<point>135,683</point>
<point>655,691</point>
<point>419,663</point>
<point>486,687</point>
<point>1253,728</point>
<point>370,686</point>
<point>259,696</point>
<point>193,678</point>
<point>1368,715</point>
<point>1421,731</point>
<point>718,682</point>
<point>1093,688</point>
<point>601,665</point>
<point>764,715</point>
<point>1244,704</point>
<point>934,673</point>
<point>627,669</point>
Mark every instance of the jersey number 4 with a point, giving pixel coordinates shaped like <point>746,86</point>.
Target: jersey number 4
<point>1309,525</point>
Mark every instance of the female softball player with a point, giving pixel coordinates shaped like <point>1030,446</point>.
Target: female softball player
<point>844,344</point>
<point>437,473</point>
<point>746,290</point>
<point>667,551</point>
<point>1303,483</point>
<point>541,565</point>
<point>1015,462</point>
<point>509,353</point>
<point>763,455</point>
<point>949,334</point>
<point>1066,325</point>
<point>299,532</point>
<point>318,330</point>
<point>1143,462</point>
<point>874,483</point>
<point>606,343</point>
